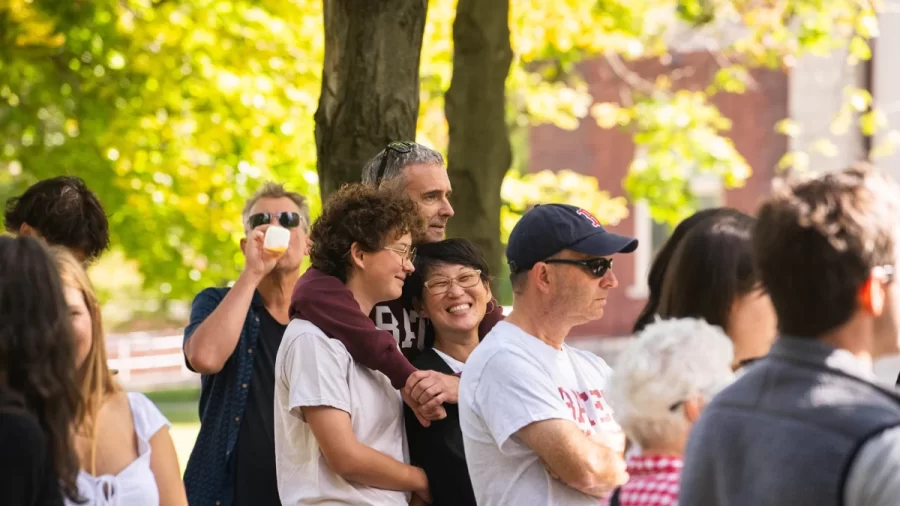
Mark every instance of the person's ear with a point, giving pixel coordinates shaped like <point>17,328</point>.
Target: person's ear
<point>487,288</point>
<point>692,409</point>
<point>27,230</point>
<point>871,296</point>
<point>357,256</point>
<point>542,277</point>
<point>244,246</point>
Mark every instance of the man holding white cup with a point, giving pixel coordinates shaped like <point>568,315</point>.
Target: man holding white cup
<point>232,340</point>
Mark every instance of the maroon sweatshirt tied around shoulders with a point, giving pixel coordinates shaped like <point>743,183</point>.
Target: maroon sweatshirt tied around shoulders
<point>326,302</point>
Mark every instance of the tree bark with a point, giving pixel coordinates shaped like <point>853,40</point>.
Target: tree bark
<point>479,151</point>
<point>370,83</point>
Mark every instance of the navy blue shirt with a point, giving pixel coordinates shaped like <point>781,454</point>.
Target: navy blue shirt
<point>209,476</point>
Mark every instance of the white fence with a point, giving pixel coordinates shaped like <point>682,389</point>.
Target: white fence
<point>149,361</point>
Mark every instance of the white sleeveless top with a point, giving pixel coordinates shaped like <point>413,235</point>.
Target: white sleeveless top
<point>135,485</point>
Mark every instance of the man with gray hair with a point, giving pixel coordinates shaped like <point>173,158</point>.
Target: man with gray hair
<point>419,172</point>
<point>398,333</point>
<point>659,387</point>
<point>232,339</point>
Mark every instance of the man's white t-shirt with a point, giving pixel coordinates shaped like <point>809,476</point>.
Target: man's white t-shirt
<point>513,379</point>
<point>313,370</point>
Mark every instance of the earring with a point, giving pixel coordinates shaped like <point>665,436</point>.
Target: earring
<point>492,305</point>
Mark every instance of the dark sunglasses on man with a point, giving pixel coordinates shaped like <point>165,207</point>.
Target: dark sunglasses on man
<point>395,147</point>
<point>596,267</point>
<point>286,219</point>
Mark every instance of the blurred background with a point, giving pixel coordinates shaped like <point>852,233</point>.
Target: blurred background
<point>640,111</point>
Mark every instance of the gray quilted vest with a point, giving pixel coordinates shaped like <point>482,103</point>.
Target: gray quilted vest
<point>785,433</point>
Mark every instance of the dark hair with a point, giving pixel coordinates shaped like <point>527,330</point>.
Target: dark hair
<point>448,251</point>
<point>64,212</point>
<point>817,241</point>
<point>660,265</point>
<point>359,214</point>
<point>711,267</point>
<point>37,364</point>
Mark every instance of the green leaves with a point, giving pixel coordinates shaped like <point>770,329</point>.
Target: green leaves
<point>174,112</point>
<point>520,193</point>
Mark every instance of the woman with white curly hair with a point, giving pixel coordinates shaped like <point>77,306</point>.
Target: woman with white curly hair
<point>661,383</point>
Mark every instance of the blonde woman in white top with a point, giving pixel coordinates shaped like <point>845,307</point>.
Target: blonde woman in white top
<point>123,443</point>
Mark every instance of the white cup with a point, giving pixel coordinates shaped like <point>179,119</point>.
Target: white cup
<point>277,240</point>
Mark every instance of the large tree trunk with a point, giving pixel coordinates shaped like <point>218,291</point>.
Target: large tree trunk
<point>479,152</point>
<point>370,83</point>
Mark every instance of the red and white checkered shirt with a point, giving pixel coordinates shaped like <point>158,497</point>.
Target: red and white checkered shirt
<point>653,481</point>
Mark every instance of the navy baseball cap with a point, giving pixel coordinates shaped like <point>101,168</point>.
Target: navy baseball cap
<point>548,229</point>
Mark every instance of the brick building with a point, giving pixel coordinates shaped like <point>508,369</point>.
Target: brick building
<point>606,155</point>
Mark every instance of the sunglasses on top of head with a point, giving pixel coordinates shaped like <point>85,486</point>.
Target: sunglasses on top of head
<point>396,147</point>
<point>597,267</point>
<point>286,219</point>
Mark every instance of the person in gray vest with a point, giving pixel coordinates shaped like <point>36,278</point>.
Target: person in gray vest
<point>808,425</point>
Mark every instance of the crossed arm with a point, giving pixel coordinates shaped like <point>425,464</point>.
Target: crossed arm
<point>574,458</point>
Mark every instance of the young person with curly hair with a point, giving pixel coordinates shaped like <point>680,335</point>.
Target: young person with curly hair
<point>339,434</point>
<point>395,332</point>
<point>39,398</point>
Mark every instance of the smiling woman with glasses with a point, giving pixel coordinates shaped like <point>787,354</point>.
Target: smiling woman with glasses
<point>451,288</point>
<point>338,424</point>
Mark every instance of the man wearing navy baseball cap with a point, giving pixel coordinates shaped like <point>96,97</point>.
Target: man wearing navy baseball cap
<point>535,425</point>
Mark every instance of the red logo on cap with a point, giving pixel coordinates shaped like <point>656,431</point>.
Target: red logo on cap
<point>589,216</point>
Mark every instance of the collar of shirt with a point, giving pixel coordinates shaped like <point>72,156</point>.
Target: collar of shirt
<point>817,352</point>
<point>454,364</point>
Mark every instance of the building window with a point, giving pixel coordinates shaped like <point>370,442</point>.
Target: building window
<point>652,235</point>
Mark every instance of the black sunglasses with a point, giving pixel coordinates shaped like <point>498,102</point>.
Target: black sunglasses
<point>399,147</point>
<point>286,219</point>
<point>597,267</point>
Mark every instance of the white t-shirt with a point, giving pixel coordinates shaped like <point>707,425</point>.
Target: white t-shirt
<point>513,379</point>
<point>455,365</point>
<point>314,370</point>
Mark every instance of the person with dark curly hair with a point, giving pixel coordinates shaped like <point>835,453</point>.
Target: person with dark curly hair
<point>339,430</point>
<point>395,332</point>
<point>63,212</point>
<point>39,397</point>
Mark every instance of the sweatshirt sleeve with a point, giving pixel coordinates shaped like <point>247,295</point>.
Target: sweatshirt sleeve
<point>490,319</point>
<point>329,305</point>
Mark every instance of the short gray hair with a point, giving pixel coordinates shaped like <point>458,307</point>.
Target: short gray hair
<point>272,190</point>
<point>669,362</point>
<point>396,161</point>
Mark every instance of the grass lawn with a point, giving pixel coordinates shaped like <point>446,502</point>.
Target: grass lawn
<point>180,407</point>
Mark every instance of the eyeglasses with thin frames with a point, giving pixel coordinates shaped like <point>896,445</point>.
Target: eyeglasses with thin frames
<point>440,285</point>
<point>406,253</point>
<point>397,147</point>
